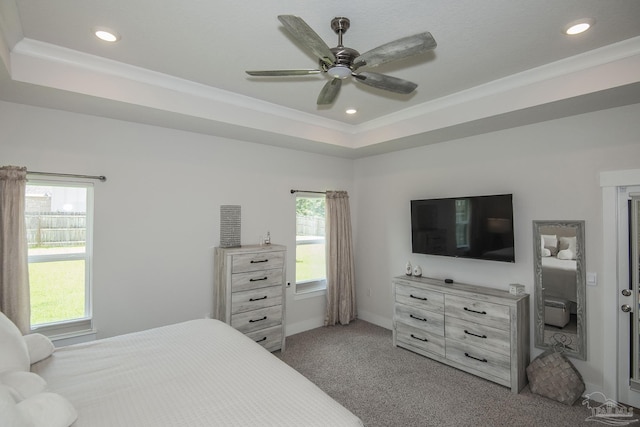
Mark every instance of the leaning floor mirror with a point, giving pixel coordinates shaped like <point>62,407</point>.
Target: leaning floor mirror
<point>560,301</point>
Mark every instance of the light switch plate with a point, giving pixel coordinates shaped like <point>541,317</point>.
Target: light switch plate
<point>592,279</point>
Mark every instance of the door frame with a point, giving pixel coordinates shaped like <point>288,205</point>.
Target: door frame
<point>610,182</point>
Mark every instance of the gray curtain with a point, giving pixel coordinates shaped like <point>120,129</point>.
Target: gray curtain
<point>14,264</point>
<point>341,284</point>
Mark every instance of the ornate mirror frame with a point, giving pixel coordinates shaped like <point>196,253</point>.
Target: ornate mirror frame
<point>571,338</point>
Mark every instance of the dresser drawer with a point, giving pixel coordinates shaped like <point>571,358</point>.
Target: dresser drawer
<point>257,261</point>
<point>270,338</point>
<point>420,298</point>
<point>250,321</point>
<point>485,331</point>
<point>255,299</point>
<point>249,292</point>
<point>256,279</point>
<point>422,319</point>
<point>488,362</point>
<point>486,313</point>
<point>418,338</point>
<point>478,335</point>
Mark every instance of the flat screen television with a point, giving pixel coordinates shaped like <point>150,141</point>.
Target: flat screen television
<point>479,227</point>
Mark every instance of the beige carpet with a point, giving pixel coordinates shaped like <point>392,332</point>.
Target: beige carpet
<point>387,386</point>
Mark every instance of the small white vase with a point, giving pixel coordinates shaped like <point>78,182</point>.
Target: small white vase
<point>408,269</point>
<point>417,271</point>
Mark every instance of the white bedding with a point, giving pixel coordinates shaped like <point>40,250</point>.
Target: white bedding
<point>196,373</point>
<point>559,278</point>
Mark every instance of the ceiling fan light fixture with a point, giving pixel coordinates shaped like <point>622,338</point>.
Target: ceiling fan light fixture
<point>339,72</point>
<point>579,26</point>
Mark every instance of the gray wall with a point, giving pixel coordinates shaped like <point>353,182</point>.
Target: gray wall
<point>156,176</point>
<point>552,169</point>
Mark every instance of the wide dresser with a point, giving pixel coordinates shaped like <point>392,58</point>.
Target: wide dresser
<point>249,292</point>
<point>480,330</point>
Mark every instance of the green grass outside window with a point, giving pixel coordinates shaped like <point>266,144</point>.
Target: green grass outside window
<point>57,291</point>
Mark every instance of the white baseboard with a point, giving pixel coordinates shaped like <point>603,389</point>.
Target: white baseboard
<point>595,392</point>
<point>306,325</point>
<point>383,322</point>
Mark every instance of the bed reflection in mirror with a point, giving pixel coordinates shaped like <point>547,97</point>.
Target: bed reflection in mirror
<point>560,286</point>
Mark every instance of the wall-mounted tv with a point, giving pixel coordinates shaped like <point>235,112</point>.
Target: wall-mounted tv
<point>479,227</point>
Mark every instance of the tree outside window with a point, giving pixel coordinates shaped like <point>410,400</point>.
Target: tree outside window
<point>310,243</point>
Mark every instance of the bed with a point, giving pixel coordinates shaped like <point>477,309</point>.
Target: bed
<point>559,265</point>
<point>196,373</point>
<point>559,278</point>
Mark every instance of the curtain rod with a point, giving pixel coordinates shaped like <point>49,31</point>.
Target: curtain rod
<point>69,175</point>
<point>307,191</point>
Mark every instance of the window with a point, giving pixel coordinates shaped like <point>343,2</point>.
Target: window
<point>311,274</point>
<point>59,229</point>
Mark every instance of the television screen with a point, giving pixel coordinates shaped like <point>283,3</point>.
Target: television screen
<point>479,227</point>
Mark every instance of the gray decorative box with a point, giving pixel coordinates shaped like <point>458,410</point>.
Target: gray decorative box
<point>229,226</point>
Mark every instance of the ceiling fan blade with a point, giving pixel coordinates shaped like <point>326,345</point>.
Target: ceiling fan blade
<point>382,81</point>
<point>278,73</point>
<point>398,49</point>
<point>329,92</point>
<point>312,41</point>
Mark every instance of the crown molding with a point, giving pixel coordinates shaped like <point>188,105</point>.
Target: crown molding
<point>600,69</point>
<point>47,65</point>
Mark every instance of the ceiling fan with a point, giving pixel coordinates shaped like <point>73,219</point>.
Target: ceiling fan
<point>342,62</point>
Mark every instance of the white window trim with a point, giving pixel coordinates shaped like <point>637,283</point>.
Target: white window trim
<point>310,288</point>
<point>84,325</point>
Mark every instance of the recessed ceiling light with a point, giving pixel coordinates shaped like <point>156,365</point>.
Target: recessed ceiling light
<point>579,26</point>
<point>106,35</point>
<point>351,111</point>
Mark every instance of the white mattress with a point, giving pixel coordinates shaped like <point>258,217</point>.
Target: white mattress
<point>197,373</point>
<point>559,278</point>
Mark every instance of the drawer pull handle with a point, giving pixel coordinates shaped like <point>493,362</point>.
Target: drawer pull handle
<point>415,297</point>
<point>475,335</point>
<point>418,338</point>
<point>264,297</point>
<point>474,311</point>
<point>417,318</point>
<point>475,358</point>
<point>256,261</point>
<point>257,280</point>
<point>257,320</point>
<point>262,339</point>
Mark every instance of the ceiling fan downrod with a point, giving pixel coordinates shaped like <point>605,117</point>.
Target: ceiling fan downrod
<point>341,69</point>
<point>340,25</point>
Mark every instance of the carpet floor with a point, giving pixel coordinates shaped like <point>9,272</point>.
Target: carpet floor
<point>384,385</point>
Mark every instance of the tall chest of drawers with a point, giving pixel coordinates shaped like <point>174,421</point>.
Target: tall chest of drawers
<point>483,331</point>
<point>249,292</point>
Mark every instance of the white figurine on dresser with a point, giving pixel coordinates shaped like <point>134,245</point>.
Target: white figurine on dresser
<point>249,292</point>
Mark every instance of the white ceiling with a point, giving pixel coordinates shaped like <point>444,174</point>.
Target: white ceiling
<point>181,64</point>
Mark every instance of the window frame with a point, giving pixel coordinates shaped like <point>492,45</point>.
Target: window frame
<point>309,287</point>
<point>80,326</point>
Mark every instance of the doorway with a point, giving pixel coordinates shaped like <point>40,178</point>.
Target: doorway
<point>621,370</point>
<point>628,312</point>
